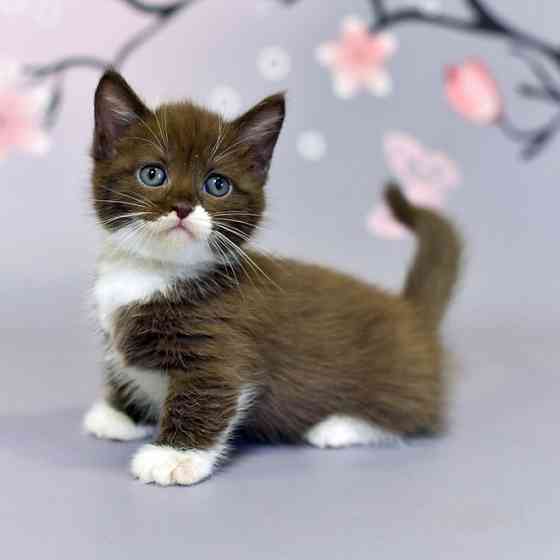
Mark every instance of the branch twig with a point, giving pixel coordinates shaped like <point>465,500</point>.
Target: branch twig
<point>161,15</point>
<point>164,11</point>
<point>484,21</point>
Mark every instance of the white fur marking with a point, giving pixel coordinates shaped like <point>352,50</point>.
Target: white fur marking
<point>122,282</point>
<point>106,422</point>
<point>165,465</point>
<point>148,387</point>
<point>342,431</point>
<point>160,240</point>
<point>199,222</point>
<point>123,278</point>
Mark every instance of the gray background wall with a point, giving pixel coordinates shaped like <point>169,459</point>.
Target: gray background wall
<point>490,488</point>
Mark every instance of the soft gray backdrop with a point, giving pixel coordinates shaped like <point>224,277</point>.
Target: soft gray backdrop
<point>488,490</point>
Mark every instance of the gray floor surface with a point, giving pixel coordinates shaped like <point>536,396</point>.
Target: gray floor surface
<point>489,489</point>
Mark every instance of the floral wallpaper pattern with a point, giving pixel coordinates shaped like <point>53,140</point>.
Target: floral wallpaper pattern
<point>358,59</point>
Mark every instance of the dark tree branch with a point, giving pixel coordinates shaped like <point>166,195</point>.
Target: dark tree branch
<point>162,15</point>
<point>37,71</point>
<point>540,72</point>
<point>135,42</point>
<point>485,21</point>
<point>162,11</point>
<point>482,20</point>
<point>531,91</point>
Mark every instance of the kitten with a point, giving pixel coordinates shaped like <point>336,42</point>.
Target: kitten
<point>205,338</point>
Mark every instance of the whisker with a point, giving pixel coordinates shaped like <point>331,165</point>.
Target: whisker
<point>155,136</point>
<point>230,266</point>
<point>122,202</point>
<point>245,140</point>
<point>123,216</point>
<point>128,233</point>
<point>146,140</point>
<point>164,109</point>
<point>262,250</point>
<point>158,122</point>
<point>220,139</point>
<point>137,199</point>
<point>236,214</point>
<point>235,231</point>
<point>240,222</point>
<point>247,258</point>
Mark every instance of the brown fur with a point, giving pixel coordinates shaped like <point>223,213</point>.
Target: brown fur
<point>310,341</point>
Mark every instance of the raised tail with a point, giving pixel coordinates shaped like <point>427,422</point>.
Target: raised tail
<point>434,272</point>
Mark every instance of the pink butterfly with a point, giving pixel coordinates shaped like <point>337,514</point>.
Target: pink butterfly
<point>425,176</point>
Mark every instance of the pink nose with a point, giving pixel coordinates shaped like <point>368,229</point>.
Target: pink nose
<point>182,210</point>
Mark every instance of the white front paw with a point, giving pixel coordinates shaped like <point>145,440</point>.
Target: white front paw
<point>104,421</point>
<point>165,465</point>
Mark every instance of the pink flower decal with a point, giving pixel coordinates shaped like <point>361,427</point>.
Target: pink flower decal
<point>473,92</point>
<point>357,60</point>
<point>21,113</point>
<point>425,176</point>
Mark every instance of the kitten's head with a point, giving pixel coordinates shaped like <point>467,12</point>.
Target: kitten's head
<point>179,183</point>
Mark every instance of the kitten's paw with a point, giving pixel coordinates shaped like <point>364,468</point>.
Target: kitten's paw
<point>165,465</point>
<point>342,431</point>
<point>106,422</point>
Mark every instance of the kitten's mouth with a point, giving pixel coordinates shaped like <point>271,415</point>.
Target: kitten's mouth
<point>181,228</point>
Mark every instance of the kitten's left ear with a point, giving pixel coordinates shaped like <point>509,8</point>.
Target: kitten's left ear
<point>259,129</point>
<point>116,108</point>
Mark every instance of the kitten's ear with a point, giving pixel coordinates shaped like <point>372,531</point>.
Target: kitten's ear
<point>116,108</point>
<point>259,129</point>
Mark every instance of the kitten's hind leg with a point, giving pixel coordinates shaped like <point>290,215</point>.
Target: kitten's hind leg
<point>340,430</point>
<point>106,422</point>
<point>115,417</point>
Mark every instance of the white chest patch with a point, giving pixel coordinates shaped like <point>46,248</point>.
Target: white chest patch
<point>123,279</point>
<point>121,283</point>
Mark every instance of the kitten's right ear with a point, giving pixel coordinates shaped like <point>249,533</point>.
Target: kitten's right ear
<point>116,108</point>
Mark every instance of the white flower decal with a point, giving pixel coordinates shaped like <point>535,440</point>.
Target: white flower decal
<point>312,145</point>
<point>264,7</point>
<point>225,100</point>
<point>274,63</point>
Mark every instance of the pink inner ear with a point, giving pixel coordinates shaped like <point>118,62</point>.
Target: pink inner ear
<point>259,130</point>
<point>266,124</point>
<point>120,110</point>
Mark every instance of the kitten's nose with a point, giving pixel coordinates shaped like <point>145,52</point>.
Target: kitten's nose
<point>182,210</point>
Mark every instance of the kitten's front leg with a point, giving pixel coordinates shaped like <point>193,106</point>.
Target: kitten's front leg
<point>199,415</point>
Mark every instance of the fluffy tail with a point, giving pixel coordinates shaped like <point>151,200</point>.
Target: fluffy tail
<point>433,275</point>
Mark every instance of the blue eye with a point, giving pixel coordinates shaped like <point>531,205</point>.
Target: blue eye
<point>217,185</point>
<point>152,175</point>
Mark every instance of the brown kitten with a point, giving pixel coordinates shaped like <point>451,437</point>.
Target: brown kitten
<point>205,338</point>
